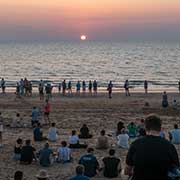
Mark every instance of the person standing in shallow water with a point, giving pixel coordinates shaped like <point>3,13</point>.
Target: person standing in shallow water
<point>179,86</point>
<point>146,86</point>
<point>3,85</point>
<point>69,88</point>
<point>95,87</point>
<point>84,87</point>
<point>90,87</point>
<point>109,88</point>
<point>126,87</point>
<point>64,87</point>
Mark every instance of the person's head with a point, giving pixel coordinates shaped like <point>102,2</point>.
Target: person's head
<point>34,107</point>
<point>64,143</point>
<point>80,170</point>
<point>19,141</point>
<point>17,115</point>
<point>46,145</point>
<point>73,132</point>
<point>174,100</point>
<point>111,152</point>
<point>46,100</point>
<point>132,123</point>
<point>84,125</point>
<point>90,150</point>
<point>142,121</point>
<point>18,175</point>
<point>53,124</point>
<point>153,123</point>
<point>175,126</point>
<point>38,124</point>
<point>103,132</point>
<point>43,175</point>
<point>123,131</point>
<point>28,142</point>
<point>164,92</point>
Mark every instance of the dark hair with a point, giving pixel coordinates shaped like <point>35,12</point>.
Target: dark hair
<point>46,145</point>
<point>0,113</point>
<point>103,132</point>
<point>73,132</point>
<point>17,114</point>
<point>18,175</point>
<point>153,122</point>
<point>28,142</point>
<point>19,141</point>
<point>64,143</point>
<point>176,126</point>
<point>89,150</point>
<point>84,125</point>
<point>38,124</point>
<point>79,169</point>
<point>111,152</point>
<point>53,124</point>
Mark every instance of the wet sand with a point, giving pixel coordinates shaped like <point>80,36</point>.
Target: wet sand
<point>70,113</point>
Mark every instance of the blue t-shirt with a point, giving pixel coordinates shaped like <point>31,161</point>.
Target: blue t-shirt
<point>37,134</point>
<point>79,177</point>
<point>44,156</point>
<point>35,114</point>
<point>90,163</point>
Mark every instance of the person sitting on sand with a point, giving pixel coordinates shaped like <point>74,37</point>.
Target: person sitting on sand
<point>42,175</point>
<point>79,174</point>
<point>27,153</point>
<point>35,116</point>
<point>45,156</point>
<point>102,141</point>
<point>123,140</point>
<point>74,141</point>
<point>132,130</point>
<point>17,149</point>
<point>52,133</point>
<point>90,163</point>
<point>47,109</point>
<point>111,165</point>
<point>1,129</point>
<point>140,127</point>
<point>16,122</point>
<point>174,135</point>
<point>38,134</point>
<point>84,132</point>
<point>64,153</point>
<point>120,126</point>
<point>165,100</point>
<point>18,175</point>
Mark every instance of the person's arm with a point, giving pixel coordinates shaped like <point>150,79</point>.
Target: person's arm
<point>128,170</point>
<point>174,156</point>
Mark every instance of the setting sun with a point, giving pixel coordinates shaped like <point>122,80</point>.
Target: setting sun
<point>83,37</point>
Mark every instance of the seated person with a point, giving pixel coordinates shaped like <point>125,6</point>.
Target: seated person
<point>38,134</point>
<point>27,153</point>
<point>53,133</point>
<point>16,122</point>
<point>90,163</point>
<point>84,132</point>
<point>35,116</point>
<point>120,126</point>
<point>140,127</point>
<point>18,175</point>
<point>123,139</point>
<point>17,150</point>
<point>174,135</point>
<point>74,141</point>
<point>165,100</point>
<point>132,129</point>
<point>45,155</point>
<point>43,175</point>
<point>79,174</point>
<point>111,165</point>
<point>64,153</point>
<point>162,134</point>
<point>102,141</point>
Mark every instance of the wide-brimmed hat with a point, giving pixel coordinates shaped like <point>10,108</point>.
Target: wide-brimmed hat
<point>42,174</point>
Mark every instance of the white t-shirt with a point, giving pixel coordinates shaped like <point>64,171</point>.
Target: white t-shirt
<point>64,154</point>
<point>123,141</point>
<point>175,136</point>
<point>52,134</point>
<point>73,139</point>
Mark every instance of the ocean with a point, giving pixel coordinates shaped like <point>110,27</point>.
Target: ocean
<point>157,62</point>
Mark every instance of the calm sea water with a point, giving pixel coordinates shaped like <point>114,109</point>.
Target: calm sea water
<point>159,63</point>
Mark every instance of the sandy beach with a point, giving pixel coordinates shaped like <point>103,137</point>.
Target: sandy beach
<point>70,113</point>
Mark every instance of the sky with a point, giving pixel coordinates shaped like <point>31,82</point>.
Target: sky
<point>23,20</point>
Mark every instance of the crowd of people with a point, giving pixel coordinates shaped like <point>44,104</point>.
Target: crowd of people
<point>25,87</point>
<point>151,154</point>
